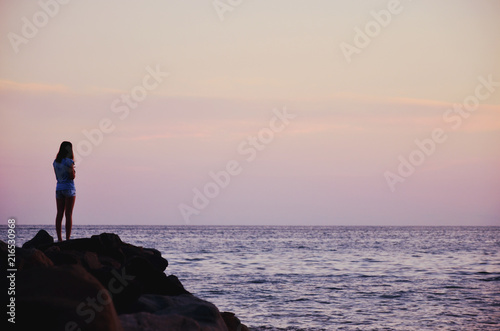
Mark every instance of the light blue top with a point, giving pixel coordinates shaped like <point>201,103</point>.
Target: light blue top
<point>62,171</point>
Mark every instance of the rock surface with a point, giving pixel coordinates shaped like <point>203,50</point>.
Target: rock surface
<point>102,283</point>
<point>41,238</point>
<point>57,298</point>
<point>185,311</point>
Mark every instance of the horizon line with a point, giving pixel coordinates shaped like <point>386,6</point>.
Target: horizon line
<point>259,225</point>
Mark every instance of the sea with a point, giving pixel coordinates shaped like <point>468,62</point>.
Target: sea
<point>330,278</point>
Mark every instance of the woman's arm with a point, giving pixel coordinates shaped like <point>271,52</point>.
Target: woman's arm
<point>72,172</point>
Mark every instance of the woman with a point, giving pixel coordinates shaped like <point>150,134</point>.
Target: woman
<point>64,167</point>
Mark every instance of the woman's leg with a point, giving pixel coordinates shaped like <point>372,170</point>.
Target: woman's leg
<point>70,203</point>
<point>61,203</point>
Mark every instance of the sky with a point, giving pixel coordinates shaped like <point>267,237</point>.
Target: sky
<point>239,112</point>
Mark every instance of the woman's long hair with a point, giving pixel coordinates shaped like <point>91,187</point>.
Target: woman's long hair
<point>65,150</point>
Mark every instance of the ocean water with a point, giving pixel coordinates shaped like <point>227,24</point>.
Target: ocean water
<point>331,278</point>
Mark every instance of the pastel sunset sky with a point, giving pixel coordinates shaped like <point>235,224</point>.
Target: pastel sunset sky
<point>257,112</point>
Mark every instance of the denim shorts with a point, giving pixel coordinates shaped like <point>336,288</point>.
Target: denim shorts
<point>61,194</point>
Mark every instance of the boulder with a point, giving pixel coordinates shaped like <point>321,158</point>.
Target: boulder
<point>109,244</point>
<point>79,244</point>
<point>181,312</point>
<point>124,287</point>
<point>152,322</point>
<point>109,241</point>
<point>42,238</point>
<point>153,256</point>
<point>51,249</point>
<point>31,258</point>
<point>104,245</point>
<point>64,257</point>
<point>109,261</point>
<point>91,261</point>
<point>233,323</point>
<point>63,298</point>
<point>152,279</point>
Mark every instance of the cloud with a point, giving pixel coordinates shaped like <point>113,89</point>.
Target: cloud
<point>7,85</point>
<point>170,135</point>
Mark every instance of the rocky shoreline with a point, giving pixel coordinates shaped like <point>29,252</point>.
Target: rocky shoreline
<point>102,283</point>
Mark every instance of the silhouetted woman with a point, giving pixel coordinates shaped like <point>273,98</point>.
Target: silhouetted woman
<point>64,167</point>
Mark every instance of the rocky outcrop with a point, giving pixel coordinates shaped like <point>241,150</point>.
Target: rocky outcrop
<point>232,322</point>
<point>40,239</point>
<point>102,283</point>
<point>185,312</point>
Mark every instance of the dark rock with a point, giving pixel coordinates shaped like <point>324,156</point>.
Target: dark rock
<point>91,261</point>
<point>3,247</point>
<point>60,257</point>
<point>109,261</point>
<point>42,238</point>
<point>182,312</point>
<point>3,256</point>
<point>52,249</point>
<point>123,286</point>
<point>176,283</point>
<point>108,240</point>
<point>109,244</point>
<point>153,251</point>
<point>31,258</point>
<point>56,281</point>
<point>152,322</point>
<point>101,245</point>
<point>60,297</point>
<point>79,244</point>
<point>152,255</point>
<point>233,323</point>
<point>153,280</point>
